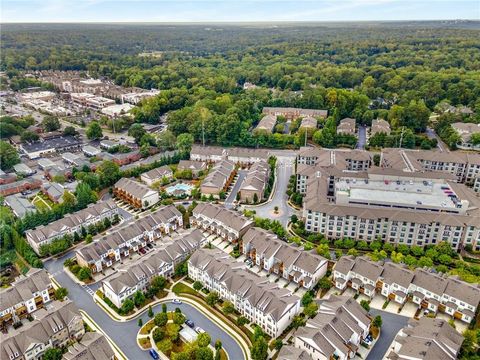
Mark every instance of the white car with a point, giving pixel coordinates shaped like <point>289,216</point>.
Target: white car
<point>199,330</point>
<point>176,301</point>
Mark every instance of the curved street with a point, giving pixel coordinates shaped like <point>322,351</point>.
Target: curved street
<point>124,333</point>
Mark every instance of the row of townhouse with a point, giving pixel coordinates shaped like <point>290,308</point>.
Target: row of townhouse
<point>216,219</point>
<point>26,294</point>
<point>241,156</point>
<point>304,268</point>
<point>218,178</point>
<point>92,346</point>
<point>391,205</point>
<point>255,182</point>
<point>426,288</point>
<point>134,193</point>
<point>134,236</point>
<point>424,339</point>
<point>260,301</point>
<point>336,332</point>
<point>157,174</point>
<point>160,262</point>
<point>291,113</point>
<point>55,328</point>
<point>71,223</point>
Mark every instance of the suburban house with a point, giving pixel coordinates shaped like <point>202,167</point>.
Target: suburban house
<point>71,223</point>
<point>305,268</point>
<point>359,273</point>
<point>157,174</point>
<point>337,330</point>
<point>216,219</point>
<point>160,262</point>
<point>260,301</point>
<point>54,191</point>
<point>134,193</point>
<point>426,339</point>
<point>26,294</point>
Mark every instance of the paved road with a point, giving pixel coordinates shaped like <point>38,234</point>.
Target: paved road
<point>285,168</point>
<point>236,187</point>
<point>391,325</point>
<point>433,135</point>
<point>362,137</point>
<point>124,334</point>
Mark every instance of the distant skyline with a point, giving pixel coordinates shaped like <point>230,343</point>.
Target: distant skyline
<point>235,11</point>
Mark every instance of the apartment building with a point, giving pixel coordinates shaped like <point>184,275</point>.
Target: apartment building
<point>264,303</point>
<point>255,182</point>
<point>294,113</point>
<point>267,124</point>
<point>426,339</point>
<point>305,268</point>
<point>336,331</point>
<point>347,126</point>
<point>55,328</point>
<point>26,294</point>
<point>218,178</point>
<point>11,186</point>
<point>194,166</point>
<point>134,193</point>
<point>160,262</point>
<point>216,219</point>
<point>466,130</point>
<point>308,123</point>
<point>352,160</point>
<point>247,156</point>
<point>426,288</point>
<point>156,175</point>
<point>131,237</point>
<point>71,223</point>
<point>92,346</point>
<point>207,153</point>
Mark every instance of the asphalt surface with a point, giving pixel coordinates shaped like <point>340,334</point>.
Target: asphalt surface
<point>124,333</point>
<point>236,187</point>
<point>362,137</point>
<point>285,168</point>
<point>391,325</point>
<point>431,134</point>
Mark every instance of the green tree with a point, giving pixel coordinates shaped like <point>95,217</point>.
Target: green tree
<point>158,282</point>
<point>84,195</point>
<point>203,339</point>
<point>84,274</point>
<point>228,307</point>
<point>108,173</point>
<point>52,354</point>
<point>259,349</point>
<point>94,131</point>
<point>161,319</point>
<point>178,318</point>
<point>61,293</point>
<point>242,320</point>
<point>311,309</point>
<point>184,143</point>
<point>8,156</point>
<point>70,131</point>
<point>203,353</point>
<point>29,136</point>
<point>197,285</point>
<point>377,321</point>
<point>139,299</point>
<point>50,123</point>
<point>150,312</point>
<point>365,305</point>
<point>136,131</point>
<point>127,307</point>
<point>140,322</point>
<point>212,298</point>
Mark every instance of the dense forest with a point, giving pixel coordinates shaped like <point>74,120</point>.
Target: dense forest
<point>396,71</point>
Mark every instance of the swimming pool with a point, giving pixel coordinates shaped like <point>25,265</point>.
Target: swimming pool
<point>186,188</point>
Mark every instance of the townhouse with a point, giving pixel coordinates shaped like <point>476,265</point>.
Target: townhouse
<point>54,191</point>
<point>294,113</point>
<point>55,328</point>
<point>92,346</point>
<point>255,182</point>
<point>466,130</point>
<point>347,126</point>
<point>267,123</point>
<point>158,174</point>
<point>247,156</point>
<point>289,352</point>
<point>10,186</point>
<point>216,219</point>
<point>71,223</point>
<point>380,126</point>
<point>305,268</point>
<point>264,303</point>
<point>426,339</point>
<point>207,153</point>
<point>160,262</point>
<point>196,167</point>
<point>134,193</point>
<point>26,294</point>
<point>336,331</point>
<point>424,287</point>
<point>132,237</point>
<point>308,123</point>
<point>218,179</point>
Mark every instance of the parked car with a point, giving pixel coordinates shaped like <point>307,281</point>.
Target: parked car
<point>190,323</point>
<point>150,246</point>
<point>142,251</point>
<point>199,330</point>
<point>176,301</point>
<point>154,354</point>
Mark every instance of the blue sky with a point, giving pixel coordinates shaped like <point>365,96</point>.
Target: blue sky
<point>234,10</point>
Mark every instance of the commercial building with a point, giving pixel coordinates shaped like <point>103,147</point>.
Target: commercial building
<point>50,146</point>
<point>426,288</point>
<point>116,110</point>
<point>337,330</point>
<point>92,346</point>
<point>160,262</point>
<point>347,126</point>
<point>23,169</point>
<point>466,130</point>
<point>227,224</point>
<point>134,193</point>
<point>156,175</point>
<point>39,95</point>
<point>289,261</point>
<point>26,294</point>
<point>260,301</point>
<point>132,237</point>
<point>426,339</point>
<point>136,97</point>
<point>218,178</point>
<point>55,328</point>
<point>20,206</point>
<point>71,223</point>
<point>255,182</point>
<point>90,151</point>
<point>294,113</point>
<point>15,187</point>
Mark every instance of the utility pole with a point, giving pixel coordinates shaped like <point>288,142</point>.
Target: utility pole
<point>203,132</point>
<point>306,136</point>
<point>401,137</point>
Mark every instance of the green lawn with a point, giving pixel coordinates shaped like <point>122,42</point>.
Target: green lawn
<point>180,288</point>
<point>41,203</point>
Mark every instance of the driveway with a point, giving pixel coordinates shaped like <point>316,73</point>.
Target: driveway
<point>236,187</point>
<point>391,325</point>
<point>362,137</point>
<point>124,334</point>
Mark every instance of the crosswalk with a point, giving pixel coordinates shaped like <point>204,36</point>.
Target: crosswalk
<point>88,289</point>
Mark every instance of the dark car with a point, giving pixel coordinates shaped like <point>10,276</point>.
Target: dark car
<point>154,354</point>
<point>190,323</point>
